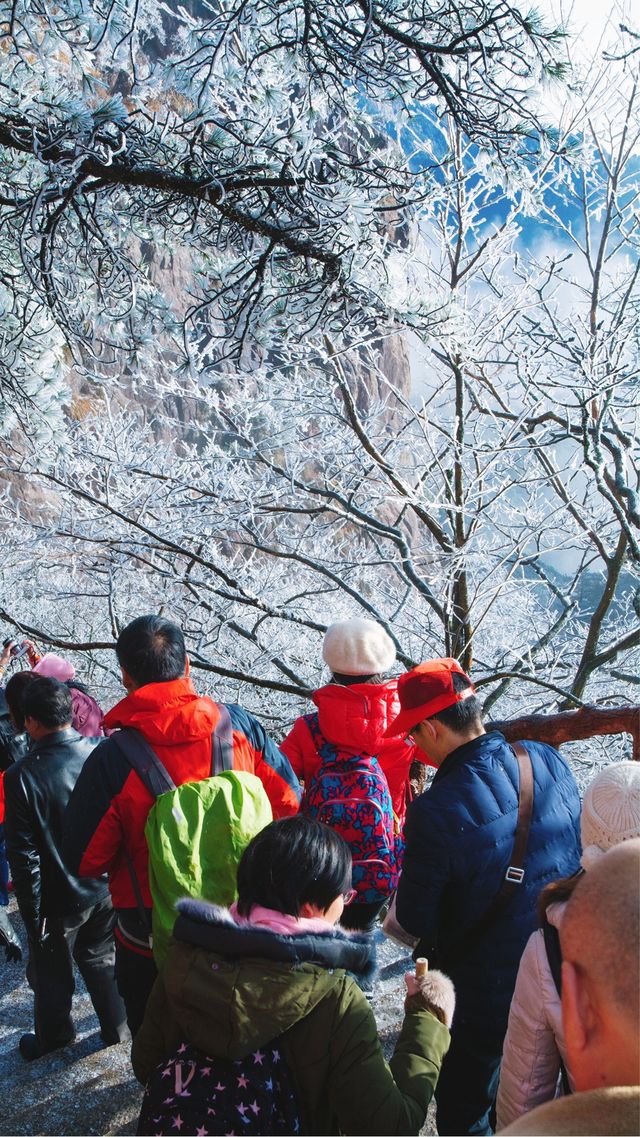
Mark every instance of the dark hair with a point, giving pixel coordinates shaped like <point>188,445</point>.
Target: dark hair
<point>292,862</point>
<point>556,891</point>
<point>14,694</point>
<point>468,712</point>
<point>151,650</point>
<point>350,680</point>
<point>48,702</point>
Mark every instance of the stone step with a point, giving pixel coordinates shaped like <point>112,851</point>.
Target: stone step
<point>84,1088</point>
<point>73,1091</point>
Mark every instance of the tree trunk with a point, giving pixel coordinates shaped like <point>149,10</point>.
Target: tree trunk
<point>569,726</point>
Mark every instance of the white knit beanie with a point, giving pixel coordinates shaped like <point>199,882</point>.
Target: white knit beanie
<point>610,810</point>
<point>358,647</point>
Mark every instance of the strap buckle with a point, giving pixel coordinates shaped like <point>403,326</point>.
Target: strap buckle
<point>514,875</point>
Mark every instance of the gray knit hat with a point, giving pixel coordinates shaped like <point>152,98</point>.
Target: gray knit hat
<point>358,647</point>
<point>610,810</point>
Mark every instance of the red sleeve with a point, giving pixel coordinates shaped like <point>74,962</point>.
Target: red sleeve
<point>284,799</point>
<point>269,763</point>
<point>293,747</point>
<point>300,750</point>
<point>92,829</point>
<point>103,846</point>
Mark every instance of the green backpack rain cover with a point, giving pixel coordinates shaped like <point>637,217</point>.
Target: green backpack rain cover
<point>196,835</point>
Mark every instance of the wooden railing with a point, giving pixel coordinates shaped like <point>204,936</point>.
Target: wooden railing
<point>571,726</point>
<point>566,726</point>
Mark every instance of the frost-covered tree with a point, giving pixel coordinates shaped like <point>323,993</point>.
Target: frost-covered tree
<point>489,513</point>
<point>261,146</point>
<point>488,508</point>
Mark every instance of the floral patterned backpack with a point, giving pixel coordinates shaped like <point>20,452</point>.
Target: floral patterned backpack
<point>349,793</point>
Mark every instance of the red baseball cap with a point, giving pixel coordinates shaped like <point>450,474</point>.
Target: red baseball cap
<point>425,690</point>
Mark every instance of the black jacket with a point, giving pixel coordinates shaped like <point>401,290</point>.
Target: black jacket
<point>37,789</point>
<point>12,745</point>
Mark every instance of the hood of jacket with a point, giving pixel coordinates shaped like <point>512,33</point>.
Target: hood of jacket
<point>244,985</point>
<point>355,718</point>
<point>87,715</point>
<point>166,713</point>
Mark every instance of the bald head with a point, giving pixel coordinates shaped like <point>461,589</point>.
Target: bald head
<point>600,940</point>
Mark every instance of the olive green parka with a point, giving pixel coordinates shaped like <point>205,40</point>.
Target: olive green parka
<point>258,986</point>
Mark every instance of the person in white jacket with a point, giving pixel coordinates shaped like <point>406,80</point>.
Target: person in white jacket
<point>534,1053</point>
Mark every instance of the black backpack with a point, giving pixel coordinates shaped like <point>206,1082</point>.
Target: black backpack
<point>190,1093</point>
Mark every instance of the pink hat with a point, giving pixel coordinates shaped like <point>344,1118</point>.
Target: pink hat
<point>55,667</point>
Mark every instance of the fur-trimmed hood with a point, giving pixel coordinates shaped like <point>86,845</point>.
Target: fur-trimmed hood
<point>233,988</point>
<point>212,927</point>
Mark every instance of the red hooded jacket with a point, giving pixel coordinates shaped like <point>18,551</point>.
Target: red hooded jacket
<point>109,805</point>
<point>354,719</point>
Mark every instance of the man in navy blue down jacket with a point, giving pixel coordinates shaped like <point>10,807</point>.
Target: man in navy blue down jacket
<point>459,840</point>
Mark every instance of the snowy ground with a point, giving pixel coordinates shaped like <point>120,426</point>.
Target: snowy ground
<point>87,1090</point>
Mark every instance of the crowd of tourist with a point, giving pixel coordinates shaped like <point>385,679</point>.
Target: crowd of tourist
<point>222,897</point>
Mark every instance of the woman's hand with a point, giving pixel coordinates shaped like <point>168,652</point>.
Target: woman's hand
<point>433,992</point>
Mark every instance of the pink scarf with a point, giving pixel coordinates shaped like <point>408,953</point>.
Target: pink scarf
<point>281,921</point>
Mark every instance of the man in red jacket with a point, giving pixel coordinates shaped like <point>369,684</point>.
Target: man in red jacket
<point>106,816</point>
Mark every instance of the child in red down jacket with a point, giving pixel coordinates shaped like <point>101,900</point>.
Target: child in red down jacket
<point>355,708</point>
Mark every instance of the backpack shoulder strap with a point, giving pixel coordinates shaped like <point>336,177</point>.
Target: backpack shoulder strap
<point>313,723</point>
<point>326,751</point>
<point>144,760</point>
<point>222,742</point>
<point>525,813</point>
<point>514,875</point>
<point>554,955</point>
